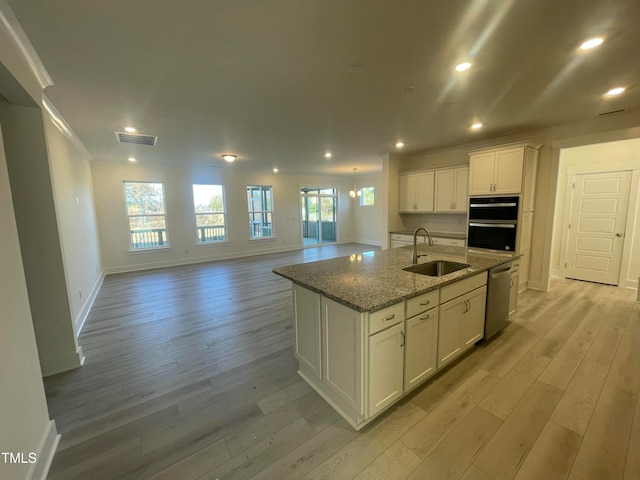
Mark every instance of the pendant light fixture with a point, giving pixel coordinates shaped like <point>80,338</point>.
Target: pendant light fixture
<point>354,192</point>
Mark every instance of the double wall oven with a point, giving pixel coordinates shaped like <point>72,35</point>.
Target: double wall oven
<point>493,222</point>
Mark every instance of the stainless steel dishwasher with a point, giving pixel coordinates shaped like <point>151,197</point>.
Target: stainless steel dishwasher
<point>498,288</point>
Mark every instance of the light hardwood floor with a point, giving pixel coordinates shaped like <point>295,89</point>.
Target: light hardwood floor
<point>190,374</point>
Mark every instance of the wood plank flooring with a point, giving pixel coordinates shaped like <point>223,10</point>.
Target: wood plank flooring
<point>190,374</point>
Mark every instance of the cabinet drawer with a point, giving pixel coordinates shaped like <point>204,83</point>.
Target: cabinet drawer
<point>422,303</point>
<point>455,242</point>
<point>463,286</point>
<point>386,317</point>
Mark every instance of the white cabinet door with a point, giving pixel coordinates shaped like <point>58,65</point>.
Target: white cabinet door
<point>472,326</point>
<point>408,185</point>
<point>508,171</point>
<point>451,188</point>
<point>481,173</point>
<point>445,190</point>
<point>342,353</point>
<point>306,306</point>
<point>449,331</point>
<point>421,348</point>
<point>460,201</point>
<point>386,363</point>
<point>424,198</point>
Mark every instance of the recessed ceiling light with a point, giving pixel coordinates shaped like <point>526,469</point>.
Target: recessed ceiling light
<point>131,159</point>
<point>399,144</point>
<point>476,126</point>
<point>461,67</point>
<point>615,91</point>
<point>328,155</point>
<point>130,129</point>
<point>591,43</point>
<point>229,158</point>
<point>275,170</point>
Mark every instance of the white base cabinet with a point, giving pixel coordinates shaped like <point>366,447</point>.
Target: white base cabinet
<point>420,351</point>
<point>462,313</point>
<point>386,365</point>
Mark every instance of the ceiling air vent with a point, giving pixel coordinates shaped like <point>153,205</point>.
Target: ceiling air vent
<point>612,112</point>
<point>136,139</point>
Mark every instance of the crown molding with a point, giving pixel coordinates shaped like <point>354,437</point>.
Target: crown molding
<point>13,33</point>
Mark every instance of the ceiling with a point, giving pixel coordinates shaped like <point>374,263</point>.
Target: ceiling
<point>281,82</point>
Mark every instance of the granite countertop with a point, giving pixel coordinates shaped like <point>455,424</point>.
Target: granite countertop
<point>370,281</point>
<point>461,236</point>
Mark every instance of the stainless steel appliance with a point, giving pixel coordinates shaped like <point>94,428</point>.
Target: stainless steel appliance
<point>498,288</point>
<point>493,222</point>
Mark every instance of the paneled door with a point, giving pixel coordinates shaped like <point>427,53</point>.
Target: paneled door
<point>597,226</point>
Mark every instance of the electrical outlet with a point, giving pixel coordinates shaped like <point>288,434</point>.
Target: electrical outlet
<point>80,292</point>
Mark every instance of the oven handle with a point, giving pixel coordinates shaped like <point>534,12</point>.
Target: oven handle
<point>493,225</point>
<point>483,205</point>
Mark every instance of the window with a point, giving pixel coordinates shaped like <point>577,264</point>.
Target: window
<point>208,203</point>
<point>146,212</point>
<point>260,200</point>
<point>367,196</point>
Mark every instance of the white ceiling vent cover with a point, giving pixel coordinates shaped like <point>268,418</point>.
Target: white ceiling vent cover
<point>136,139</point>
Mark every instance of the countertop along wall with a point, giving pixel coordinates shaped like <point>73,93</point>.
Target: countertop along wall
<point>113,226</point>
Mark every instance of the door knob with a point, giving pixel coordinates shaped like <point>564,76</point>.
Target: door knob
<point>619,234</point>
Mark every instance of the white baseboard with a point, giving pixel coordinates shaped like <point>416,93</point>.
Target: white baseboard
<point>197,259</point>
<point>45,453</point>
<point>534,285</point>
<point>376,243</point>
<point>86,308</point>
<point>62,363</point>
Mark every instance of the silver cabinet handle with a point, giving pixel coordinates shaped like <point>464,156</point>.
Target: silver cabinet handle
<point>619,234</point>
<point>402,333</point>
<point>465,307</point>
<point>425,303</point>
<point>426,318</point>
<point>469,303</point>
<point>389,318</point>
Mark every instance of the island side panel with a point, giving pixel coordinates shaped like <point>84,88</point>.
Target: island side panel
<point>308,346</point>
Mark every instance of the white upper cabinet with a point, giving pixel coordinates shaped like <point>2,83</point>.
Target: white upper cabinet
<point>416,192</point>
<point>451,190</point>
<point>496,172</point>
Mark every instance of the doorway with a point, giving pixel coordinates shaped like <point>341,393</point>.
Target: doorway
<point>319,215</point>
<point>596,229</point>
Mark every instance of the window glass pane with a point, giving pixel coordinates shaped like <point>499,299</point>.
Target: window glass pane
<point>328,191</point>
<point>144,197</point>
<point>208,203</point>
<point>145,210</point>
<point>260,202</point>
<point>367,197</point>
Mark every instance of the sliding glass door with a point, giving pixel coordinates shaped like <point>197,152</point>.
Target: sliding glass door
<point>319,215</point>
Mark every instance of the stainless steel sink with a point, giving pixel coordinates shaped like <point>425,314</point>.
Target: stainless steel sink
<point>436,268</point>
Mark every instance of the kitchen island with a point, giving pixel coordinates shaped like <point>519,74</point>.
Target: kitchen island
<point>368,332</point>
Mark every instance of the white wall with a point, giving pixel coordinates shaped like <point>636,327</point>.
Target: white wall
<point>368,218</point>
<point>113,227</point>
<point>601,157</point>
<point>24,420</point>
<point>73,193</point>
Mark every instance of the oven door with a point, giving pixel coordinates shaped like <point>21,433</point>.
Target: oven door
<point>492,235</point>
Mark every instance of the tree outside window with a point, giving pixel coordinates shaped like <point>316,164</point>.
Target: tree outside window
<point>367,197</point>
<point>146,213</point>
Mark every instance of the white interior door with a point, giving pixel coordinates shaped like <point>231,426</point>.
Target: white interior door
<point>597,225</point>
